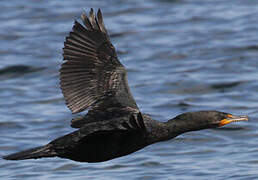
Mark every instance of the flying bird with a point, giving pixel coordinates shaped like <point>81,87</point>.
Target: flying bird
<point>92,78</point>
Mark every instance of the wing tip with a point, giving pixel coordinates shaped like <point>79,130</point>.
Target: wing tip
<point>94,21</point>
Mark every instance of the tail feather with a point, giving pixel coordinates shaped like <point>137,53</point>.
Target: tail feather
<point>34,153</point>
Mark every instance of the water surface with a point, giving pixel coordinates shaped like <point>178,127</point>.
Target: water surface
<point>181,56</point>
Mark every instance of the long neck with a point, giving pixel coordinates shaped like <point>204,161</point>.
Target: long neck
<point>175,127</point>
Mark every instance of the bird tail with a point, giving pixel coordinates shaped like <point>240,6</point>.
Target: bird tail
<point>34,153</point>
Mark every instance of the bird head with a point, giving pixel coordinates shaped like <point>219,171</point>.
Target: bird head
<point>208,119</point>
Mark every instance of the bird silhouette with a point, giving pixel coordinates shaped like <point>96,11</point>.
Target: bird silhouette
<point>92,78</point>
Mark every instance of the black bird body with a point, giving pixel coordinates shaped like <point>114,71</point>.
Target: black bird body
<point>104,140</point>
<point>93,78</point>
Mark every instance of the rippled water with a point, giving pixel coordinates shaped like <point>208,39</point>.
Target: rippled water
<point>181,56</point>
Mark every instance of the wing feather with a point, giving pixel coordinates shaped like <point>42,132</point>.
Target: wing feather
<point>92,76</point>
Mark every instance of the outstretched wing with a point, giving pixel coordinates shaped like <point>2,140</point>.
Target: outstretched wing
<point>92,76</point>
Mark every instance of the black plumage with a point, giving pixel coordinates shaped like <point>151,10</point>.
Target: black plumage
<point>93,78</point>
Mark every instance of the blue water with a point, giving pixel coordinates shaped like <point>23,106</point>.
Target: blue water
<point>181,56</point>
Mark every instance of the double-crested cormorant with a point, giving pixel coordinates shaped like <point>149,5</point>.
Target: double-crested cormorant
<point>93,78</point>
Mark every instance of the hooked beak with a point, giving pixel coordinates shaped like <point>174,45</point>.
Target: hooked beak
<point>231,118</point>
